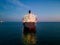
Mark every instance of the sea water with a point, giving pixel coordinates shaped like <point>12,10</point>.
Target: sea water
<point>47,33</point>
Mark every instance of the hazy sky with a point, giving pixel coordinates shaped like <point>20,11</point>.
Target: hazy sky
<point>14,10</point>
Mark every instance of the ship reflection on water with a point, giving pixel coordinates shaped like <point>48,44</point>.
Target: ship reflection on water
<point>29,38</point>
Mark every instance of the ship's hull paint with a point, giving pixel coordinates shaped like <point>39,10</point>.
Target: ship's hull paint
<point>29,27</point>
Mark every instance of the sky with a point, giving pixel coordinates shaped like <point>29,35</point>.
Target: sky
<point>14,10</point>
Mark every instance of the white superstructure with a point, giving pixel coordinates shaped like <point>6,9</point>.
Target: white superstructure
<point>30,18</point>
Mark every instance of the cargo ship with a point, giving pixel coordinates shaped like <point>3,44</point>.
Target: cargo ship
<point>29,29</point>
<point>29,23</point>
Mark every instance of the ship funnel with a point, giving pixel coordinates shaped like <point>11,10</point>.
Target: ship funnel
<point>29,11</point>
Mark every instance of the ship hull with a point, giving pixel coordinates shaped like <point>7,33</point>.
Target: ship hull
<point>29,27</point>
